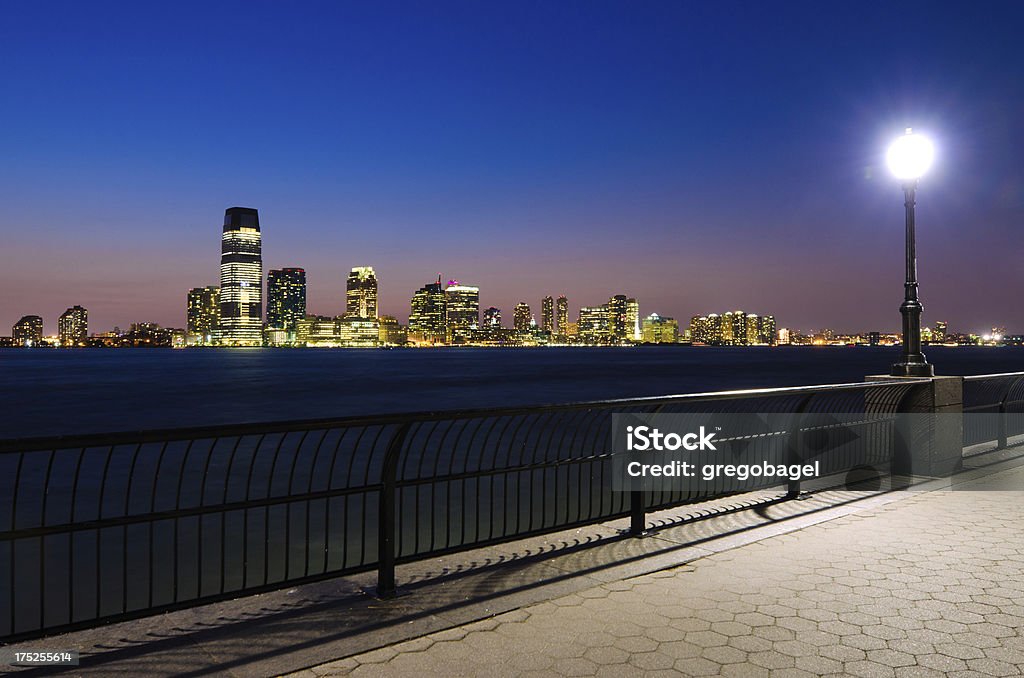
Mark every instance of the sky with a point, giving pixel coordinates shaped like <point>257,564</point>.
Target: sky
<point>699,156</point>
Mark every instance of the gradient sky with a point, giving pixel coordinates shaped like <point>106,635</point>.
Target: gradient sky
<point>699,156</point>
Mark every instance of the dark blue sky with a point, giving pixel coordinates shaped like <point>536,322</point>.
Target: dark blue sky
<point>699,156</point>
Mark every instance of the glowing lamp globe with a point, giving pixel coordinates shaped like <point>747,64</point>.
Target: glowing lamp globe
<point>910,156</point>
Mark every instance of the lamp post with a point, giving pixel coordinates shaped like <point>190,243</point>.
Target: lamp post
<point>908,158</point>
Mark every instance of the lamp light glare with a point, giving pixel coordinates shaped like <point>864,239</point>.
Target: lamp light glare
<point>910,156</point>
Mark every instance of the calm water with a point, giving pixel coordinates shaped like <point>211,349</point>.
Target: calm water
<point>49,392</point>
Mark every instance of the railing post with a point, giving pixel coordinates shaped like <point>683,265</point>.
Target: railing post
<point>796,447</point>
<point>386,518</point>
<point>1001,443</point>
<point>637,515</point>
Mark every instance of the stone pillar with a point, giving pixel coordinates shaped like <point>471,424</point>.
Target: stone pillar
<point>933,432</point>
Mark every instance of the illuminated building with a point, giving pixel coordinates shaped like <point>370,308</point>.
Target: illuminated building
<point>522,318</point>
<point>562,315</point>
<point>940,332</point>
<point>714,333</point>
<point>73,327</point>
<point>427,314</point>
<point>28,331</point>
<point>739,328</point>
<point>752,331</point>
<point>572,330</point>
<point>766,330</point>
<point>391,332</point>
<point>547,314</point>
<point>617,323</point>
<point>594,324</point>
<point>660,330</point>
<point>314,330</point>
<point>633,330</point>
<point>286,300</point>
<point>241,279</point>
<point>150,335</point>
<point>784,335</point>
<point>492,317</point>
<point>462,311</point>
<point>203,314</point>
<point>357,331</point>
<point>361,292</point>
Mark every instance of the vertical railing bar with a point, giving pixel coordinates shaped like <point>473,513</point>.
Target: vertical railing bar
<point>127,503</point>
<point>288,509</point>
<point>327,502</point>
<point>42,545</point>
<point>266,511</point>
<point>309,503</point>
<point>386,515</point>
<point>71,541</point>
<point>245,512</point>
<point>14,525</point>
<point>434,485</point>
<point>151,523</point>
<point>177,521</point>
<point>99,531</point>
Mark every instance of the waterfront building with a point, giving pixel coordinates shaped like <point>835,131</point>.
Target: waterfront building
<point>594,324</point>
<point>617,324</point>
<point>633,329</point>
<point>939,335</point>
<point>547,314</point>
<point>356,331</point>
<point>784,335</point>
<point>28,331</point>
<point>203,315</point>
<point>462,311</point>
<point>427,314</point>
<point>522,318</point>
<point>492,317</point>
<point>561,315</point>
<point>572,330</point>
<point>151,335</point>
<point>752,331</point>
<point>73,327</point>
<point>286,301</point>
<point>660,330</point>
<point>391,332</point>
<point>766,330</point>
<point>241,279</point>
<point>361,292</point>
<point>317,330</point>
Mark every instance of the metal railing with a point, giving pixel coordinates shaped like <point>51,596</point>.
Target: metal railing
<point>101,528</point>
<point>994,404</point>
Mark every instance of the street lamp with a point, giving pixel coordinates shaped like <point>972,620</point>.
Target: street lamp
<point>909,157</point>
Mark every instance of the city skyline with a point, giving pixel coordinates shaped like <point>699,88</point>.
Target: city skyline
<point>535,150</point>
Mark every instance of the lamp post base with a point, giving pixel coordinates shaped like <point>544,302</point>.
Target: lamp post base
<point>913,370</point>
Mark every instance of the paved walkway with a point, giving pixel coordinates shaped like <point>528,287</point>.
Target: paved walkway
<point>930,585</point>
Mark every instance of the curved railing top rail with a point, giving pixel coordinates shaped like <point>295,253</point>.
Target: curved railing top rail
<point>221,430</point>
<point>979,377</point>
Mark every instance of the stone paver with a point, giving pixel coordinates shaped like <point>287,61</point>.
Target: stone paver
<point>930,585</point>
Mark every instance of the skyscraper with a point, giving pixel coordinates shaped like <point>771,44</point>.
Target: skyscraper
<point>361,292</point>
<point>492,317</point>
<point>521,316</point>
<point>73,327</point>
<point>203,314</point>
<point>660,330</point>
<point>617,318</point>
<point>633,320</point>
<point>241,279</point>
<point>427,314</point>
<point>28,331</point>
<point>286,299</point>
<point>562,315</point>
<point>462,310</point>
<point>547,314</point>
<point>595,324</point>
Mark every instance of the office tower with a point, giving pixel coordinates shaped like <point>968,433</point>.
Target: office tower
<point>766,330</point>
<point>492,317</point>
<point>390,331</point>
<point>522,317</point>
<point>203,314</point>
<point>633,320</point>
<point>241,279</point>
<point>357,331</point>
<point>751,332</point>
<point>462,310</point>
<point>617,317</point>
<point>594,325</point>
<point>940,332</point>
<point>739,328</point>
<point>715,329</point>
<point>562,315</point>
<point>73,327</point>
<point>361,292</point>
<point>784,337</point>
<point>286,299</point>
<point>427,313</point>
<point>660,330</point>
<point>547,314</point>
<point>28,331</point>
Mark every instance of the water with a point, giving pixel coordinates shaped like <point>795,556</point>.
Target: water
<point>47,392</point>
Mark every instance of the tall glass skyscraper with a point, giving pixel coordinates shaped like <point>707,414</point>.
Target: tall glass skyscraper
<point>73,327</point>
<point>562,315</point>
<point>462,310</point>
<point>203,314</point>
<point>361,292</point>
<point>547,314</point>
<point>427,314</point>
<point>286,299</point>
<point>241,279</point>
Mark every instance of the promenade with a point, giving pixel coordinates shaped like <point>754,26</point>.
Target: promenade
<point>930,584</point>
<point>921,582</point>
